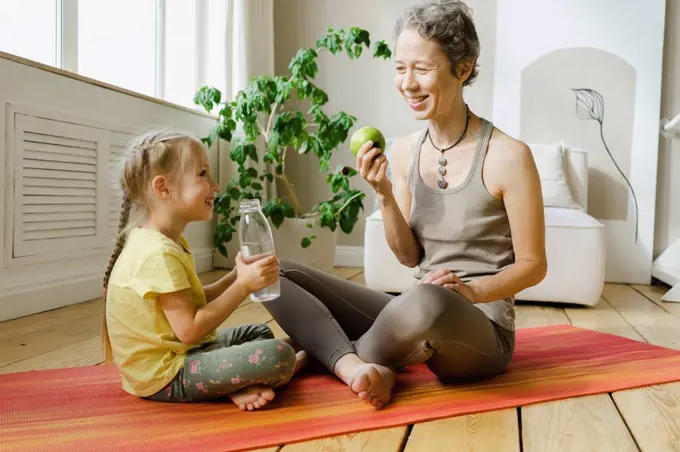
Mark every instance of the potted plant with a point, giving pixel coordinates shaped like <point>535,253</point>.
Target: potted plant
<point>269,125</point>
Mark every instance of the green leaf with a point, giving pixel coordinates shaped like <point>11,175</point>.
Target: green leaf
<point>224,129</point>
<point>251,151</point>
<point>270,177</point>
<point>303,64</point>
<point>314,237</point>
<point>382,50</point>
<point>347,224</point>
<point>238,154</point>
<point>277,218</point>
<point>256,186</point>
<point>226,112</point>
<point>221,248</point>
<point>288,210</point>
<point>268,208</point>
<point>207,97</point>
<point>306,242</point>
<point>310,225</point>
<point>252,172</point>
<point>283,89</point>
<point>223,234</point>
<point>244,179</point>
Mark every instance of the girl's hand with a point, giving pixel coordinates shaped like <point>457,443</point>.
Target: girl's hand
<point>372,166</point>
<point>256,272</point>
<point>448,279</point>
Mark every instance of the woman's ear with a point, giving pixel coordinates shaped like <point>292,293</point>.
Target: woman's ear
<point>159,185</point>
<point>465,69</point>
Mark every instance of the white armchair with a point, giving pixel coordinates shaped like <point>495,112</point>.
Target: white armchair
<point>574,246</point>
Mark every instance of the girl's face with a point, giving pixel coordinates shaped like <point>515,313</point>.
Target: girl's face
<point>424,78</point>
<point>194,195</point>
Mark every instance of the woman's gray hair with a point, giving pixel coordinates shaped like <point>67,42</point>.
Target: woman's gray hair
<point>448,23</point>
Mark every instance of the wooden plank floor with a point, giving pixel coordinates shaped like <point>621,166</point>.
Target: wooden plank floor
<point>645,419</point>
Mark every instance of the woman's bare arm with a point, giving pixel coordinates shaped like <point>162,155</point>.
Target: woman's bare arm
<point>512,172</point>
<point>393,196</point>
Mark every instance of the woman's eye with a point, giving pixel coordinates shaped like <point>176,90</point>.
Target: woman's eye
<point>421,70</point>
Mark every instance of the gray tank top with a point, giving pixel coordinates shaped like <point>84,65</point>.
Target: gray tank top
<point>463,228</point>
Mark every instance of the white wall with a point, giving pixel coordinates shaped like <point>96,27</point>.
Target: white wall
<point>30,286</point>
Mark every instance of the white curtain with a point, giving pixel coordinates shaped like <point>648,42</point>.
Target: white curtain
<point>249,37</point>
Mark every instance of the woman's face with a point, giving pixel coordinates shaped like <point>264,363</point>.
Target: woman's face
<point>423,76</point>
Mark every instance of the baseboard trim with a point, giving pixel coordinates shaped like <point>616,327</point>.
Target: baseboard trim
<point>48,295</point>
<point>51,293</point>
<point>349,256</point>
<point>204,259</point>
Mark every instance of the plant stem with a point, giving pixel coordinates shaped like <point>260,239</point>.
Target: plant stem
<point>624,178</point>
<point>348,201</point>
<point>294,201</point>
<point>271,118</point>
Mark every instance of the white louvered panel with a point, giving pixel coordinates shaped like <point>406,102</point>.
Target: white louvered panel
<point>59,181</point>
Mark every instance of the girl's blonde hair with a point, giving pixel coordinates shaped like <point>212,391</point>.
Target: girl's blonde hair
<point>152,154</point>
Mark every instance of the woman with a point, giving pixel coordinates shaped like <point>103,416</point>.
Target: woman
<point>463,204</point>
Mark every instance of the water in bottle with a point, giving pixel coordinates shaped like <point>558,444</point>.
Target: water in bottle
<point>255,236</point>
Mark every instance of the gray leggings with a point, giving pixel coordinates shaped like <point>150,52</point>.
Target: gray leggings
<point>330,317</point>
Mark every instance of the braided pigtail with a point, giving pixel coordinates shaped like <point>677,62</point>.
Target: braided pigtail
<point>120,244</point>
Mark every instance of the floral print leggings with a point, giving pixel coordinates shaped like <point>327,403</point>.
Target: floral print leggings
<point>239,357</point>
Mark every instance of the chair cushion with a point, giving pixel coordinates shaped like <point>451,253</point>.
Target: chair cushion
<point>557,217</point>
<point>549,161</point>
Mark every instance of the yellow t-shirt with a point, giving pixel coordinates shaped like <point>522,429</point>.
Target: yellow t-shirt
<point>145,349</point>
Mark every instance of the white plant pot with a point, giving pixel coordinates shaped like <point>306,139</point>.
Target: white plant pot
<point>287,241</point>
<point>288,237</point>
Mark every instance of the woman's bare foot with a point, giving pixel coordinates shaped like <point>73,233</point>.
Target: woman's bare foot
<point>371,382</point>
<point>252,397</point>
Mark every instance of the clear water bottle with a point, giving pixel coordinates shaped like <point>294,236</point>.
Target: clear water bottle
<point>255,236</point>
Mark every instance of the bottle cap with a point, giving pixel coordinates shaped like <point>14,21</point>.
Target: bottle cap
<point>249,205</point>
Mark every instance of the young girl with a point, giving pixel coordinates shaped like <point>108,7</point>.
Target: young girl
<point>160,323</point>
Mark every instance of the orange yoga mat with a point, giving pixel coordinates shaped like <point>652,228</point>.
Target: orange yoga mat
<point>84,408</point>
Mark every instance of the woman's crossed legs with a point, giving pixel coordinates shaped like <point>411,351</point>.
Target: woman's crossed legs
<point>362,335</point>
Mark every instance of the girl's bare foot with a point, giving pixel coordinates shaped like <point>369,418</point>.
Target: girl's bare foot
<point>371,382</point>
<point>300,361</point>
<point>252,397</point>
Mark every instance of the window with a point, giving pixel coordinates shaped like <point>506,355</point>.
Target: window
<point>116,43</point>
<point>161,48</point>
<point>28,28</point>
<point>180,51</point>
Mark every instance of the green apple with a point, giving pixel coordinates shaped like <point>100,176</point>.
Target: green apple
<point>364,134</point>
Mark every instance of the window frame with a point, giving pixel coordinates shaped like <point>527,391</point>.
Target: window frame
<point>67,44</point>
